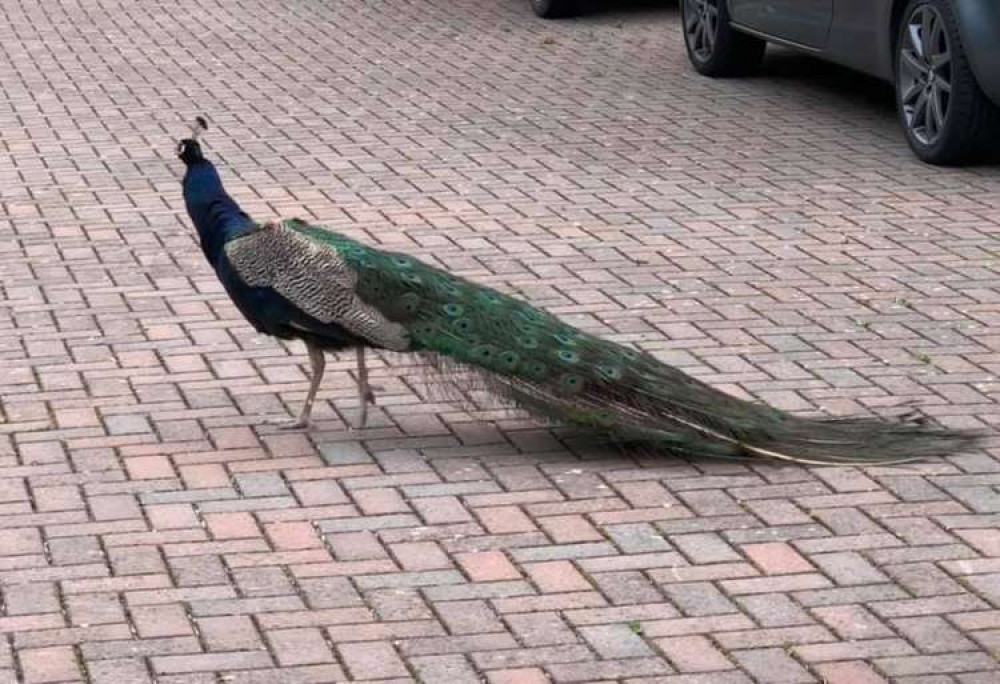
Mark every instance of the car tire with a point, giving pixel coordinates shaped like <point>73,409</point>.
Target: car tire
<point>555,9</point>
<point>947,118</point>
<point>714,47</point>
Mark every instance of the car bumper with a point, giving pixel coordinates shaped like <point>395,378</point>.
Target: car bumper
<point>979,22</point>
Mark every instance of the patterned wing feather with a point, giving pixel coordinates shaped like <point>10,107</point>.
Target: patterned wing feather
<point>313,277</point>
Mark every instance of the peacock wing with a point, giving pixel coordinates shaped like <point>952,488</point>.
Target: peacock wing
<point>313,277</point>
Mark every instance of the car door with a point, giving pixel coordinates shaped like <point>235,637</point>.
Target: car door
<point>805,22</point>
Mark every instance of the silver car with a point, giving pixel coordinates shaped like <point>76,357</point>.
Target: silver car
<point>942,55</point>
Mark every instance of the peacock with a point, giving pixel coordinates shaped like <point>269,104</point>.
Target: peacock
<point>294,280</point>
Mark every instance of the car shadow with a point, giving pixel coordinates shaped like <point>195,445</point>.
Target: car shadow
<point>626,9</point>
<point>824,78</point>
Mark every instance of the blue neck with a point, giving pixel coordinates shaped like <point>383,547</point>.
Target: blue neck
<point>215,214</point>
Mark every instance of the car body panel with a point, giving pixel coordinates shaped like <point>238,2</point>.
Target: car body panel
<point>803,22</point>
<point>861,36</point>
<point>979,24</point>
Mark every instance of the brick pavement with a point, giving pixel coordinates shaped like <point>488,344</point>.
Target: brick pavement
<point>772,236</point>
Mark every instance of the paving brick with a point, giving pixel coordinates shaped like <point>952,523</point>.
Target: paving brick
<point>777,558</point>
<point>420,556</point>
<point>932,634</point>
<point>235,660</point>
<point>622,588</point>
<point>772,665</point>
<point>569,529</point>
<point>615,641</point>
<point>705,548</point>
<point>161,621</point>
<point>541,629</point>
<point>329,592</point>
<point>487,566</point>
<point>57,664</point>
<point>229,633</point>
<point>94,609</point>
<point>398,604</point>
<point>505,520</point>
<point>144,494</point>
<point>232,525</point>
<point>356,546</point>
<point>445,668</point>
<point>119,671</point>
<point>557,576</point>
<point>699,599</point>
<point>171,516</point>
<point>693,654</point>
<point>374,660</point>
<point>608,670</point>
<point>305,646</point>
<point>526,675</point>
<point>855,672</point>
<point>27,599</point>
<point>292,536</point>
<point>774,610</point>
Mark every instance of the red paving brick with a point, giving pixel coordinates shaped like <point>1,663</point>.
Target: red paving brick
<point>772,236</point>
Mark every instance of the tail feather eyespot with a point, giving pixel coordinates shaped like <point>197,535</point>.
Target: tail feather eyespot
<point>509,359</point>
<point>568,356</point>
<point>609,372</point>
<point>572,383</point>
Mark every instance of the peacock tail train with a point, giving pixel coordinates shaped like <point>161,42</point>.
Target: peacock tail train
<point>552,369</point>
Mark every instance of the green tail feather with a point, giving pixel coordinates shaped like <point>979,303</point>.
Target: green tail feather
<point>552,369</point>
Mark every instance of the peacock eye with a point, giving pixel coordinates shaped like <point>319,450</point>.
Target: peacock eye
<point>410,302</point>
<point>571,382</point>
<point>609,372</point>
<point>528,342</point>
<point>448,287</point>
<point>402,262</point>
<point>453,310</point>
<point>485,352</point>
<point>566,337</point>
<point>568,356</point>
<point>509,359</point>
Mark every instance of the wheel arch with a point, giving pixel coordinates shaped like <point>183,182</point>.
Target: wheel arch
<point>979,29</point>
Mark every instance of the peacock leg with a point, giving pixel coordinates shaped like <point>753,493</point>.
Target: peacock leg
<point>365,394</point>
<point>317,359</point>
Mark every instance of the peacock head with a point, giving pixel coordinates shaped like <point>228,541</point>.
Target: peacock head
<point>189,149</point>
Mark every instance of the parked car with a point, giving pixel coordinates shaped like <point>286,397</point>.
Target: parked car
<point>942,55</point>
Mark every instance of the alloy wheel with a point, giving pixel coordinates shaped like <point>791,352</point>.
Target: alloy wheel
<point>701,22</point>
<point>925,75</point>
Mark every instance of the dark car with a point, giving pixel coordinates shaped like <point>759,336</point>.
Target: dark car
<point>942,55</point>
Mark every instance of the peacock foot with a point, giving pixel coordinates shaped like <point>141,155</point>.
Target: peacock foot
<point>293,424</point>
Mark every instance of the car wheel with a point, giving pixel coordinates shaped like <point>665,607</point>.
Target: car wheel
<point>714,47</point>
<point>554,9</point>
<point>945,114</point>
